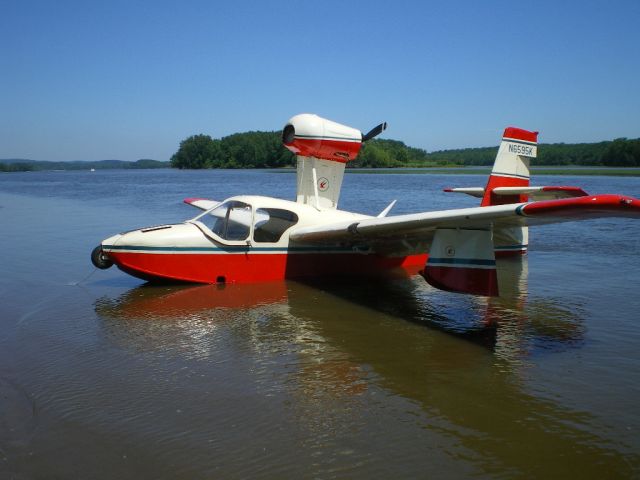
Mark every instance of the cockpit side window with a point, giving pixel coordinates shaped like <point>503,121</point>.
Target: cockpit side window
<point>271,223</point>
<point>230,220</point>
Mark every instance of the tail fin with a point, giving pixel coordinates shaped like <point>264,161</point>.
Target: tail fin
<point>511,167</point>
<point>509,183</point>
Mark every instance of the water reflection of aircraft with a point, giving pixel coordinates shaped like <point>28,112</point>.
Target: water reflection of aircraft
<point>253,239</point>
<point>162,301</point>
<point>185,317</point>
<point>481,400</point>
<point>323,345</point>
<point>510,324</point>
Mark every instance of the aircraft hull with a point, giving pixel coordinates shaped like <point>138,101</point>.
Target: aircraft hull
<point>245,266</point>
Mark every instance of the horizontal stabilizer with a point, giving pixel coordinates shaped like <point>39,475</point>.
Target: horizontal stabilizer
<point>534,193</point>
<point>473,191</point>
<point>542,193</point>
<point>201,203</point>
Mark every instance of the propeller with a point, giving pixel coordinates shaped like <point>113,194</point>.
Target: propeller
<point>374,132</point>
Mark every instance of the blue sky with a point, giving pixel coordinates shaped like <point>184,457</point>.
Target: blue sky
<point>83,80</point>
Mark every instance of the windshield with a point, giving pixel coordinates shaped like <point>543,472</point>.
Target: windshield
<point>229,220</point>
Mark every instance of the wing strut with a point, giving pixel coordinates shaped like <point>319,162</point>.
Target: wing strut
<point>384,212</point>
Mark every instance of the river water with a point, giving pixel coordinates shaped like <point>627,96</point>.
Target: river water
<point>102,376</point>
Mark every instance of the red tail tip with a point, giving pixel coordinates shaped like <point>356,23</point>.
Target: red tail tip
<point>520,134</point>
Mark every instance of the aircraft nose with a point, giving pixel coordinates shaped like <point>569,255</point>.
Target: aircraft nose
<point>100,259</point>
<point>114,239</point>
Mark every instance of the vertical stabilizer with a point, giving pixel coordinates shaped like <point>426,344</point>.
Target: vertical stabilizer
<point>511,169</point>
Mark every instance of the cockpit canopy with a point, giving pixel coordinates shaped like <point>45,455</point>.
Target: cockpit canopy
<point>235,221</point>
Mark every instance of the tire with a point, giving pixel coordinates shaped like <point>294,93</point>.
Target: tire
<point>100,259</point>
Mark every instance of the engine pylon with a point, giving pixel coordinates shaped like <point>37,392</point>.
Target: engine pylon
<point>322,148</point>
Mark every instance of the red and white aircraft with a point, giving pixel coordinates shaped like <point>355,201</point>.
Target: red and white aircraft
<point>256,239</point>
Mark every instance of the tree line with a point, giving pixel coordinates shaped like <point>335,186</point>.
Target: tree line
<point>23,165</point>
<point>240,150</point>
<point>265,150</point>
<point>16,167</point>
<point>621,152</point>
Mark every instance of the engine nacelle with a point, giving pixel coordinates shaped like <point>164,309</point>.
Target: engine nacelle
<point>309,135</point>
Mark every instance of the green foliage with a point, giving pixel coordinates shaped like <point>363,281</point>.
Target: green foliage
<point>16,167</point>
<point>587,154</point>
<point>388,154</point>
<point>622,153</point>
<point>265,150</point>
<point>21,165</point>
<point>145,163</point>
<point>253,150</point>
<point>197,151</point>
<point>240,150</point>
<point>465,156</point>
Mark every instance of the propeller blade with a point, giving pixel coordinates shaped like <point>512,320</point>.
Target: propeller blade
<point>375,131</point>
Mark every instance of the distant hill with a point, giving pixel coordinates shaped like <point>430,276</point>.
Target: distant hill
<point>22,165</point>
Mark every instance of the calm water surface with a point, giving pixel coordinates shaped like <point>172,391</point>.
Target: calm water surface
<point>102,376</point>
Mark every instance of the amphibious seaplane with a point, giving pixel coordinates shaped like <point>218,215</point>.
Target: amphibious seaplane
<point>255,239</point>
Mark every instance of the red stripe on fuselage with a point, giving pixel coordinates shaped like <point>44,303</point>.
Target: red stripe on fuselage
<point>251,267</point>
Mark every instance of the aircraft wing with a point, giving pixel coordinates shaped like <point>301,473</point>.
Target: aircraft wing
<point>201,203</point>
<point>386,232</point>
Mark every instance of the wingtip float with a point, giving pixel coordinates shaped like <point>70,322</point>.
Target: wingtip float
<point>254,239</point>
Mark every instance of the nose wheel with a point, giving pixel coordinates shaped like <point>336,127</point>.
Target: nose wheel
<point>100,259</point>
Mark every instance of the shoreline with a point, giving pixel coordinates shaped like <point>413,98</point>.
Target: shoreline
<point>542,170</point>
